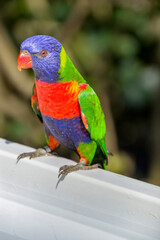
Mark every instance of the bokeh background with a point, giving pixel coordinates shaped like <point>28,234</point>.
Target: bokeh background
<point>115,44</point>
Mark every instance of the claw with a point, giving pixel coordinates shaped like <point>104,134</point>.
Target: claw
<point>60,174</point>
<point>64,170</point>
<point>23,155</point>
<point>38,153</point>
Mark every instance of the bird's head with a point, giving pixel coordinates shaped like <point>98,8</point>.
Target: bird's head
<point>42,53</point>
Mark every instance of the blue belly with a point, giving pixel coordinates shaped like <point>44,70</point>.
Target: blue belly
<point>68,132</point>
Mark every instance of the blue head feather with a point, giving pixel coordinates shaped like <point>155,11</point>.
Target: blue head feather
<point>45,68</point>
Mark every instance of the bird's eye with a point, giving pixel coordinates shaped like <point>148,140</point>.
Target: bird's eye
<point>43,53</point>
<point>25,52</point>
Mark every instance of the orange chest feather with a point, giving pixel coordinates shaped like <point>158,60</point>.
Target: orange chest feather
<point>58,100</point>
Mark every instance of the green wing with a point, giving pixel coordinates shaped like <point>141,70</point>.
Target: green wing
<point>34,102</point>
<point>93,117</point>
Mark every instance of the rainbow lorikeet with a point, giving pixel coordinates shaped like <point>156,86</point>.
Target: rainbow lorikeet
<point>67,106</point>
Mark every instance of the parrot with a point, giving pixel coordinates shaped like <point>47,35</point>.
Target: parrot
<point>65,103</point>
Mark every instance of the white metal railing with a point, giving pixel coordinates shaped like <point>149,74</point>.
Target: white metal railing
<point>93,204</point>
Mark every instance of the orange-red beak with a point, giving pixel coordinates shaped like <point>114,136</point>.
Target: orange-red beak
<point>24,61</point>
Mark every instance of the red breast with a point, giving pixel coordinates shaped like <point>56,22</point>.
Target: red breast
<point>58,100</point>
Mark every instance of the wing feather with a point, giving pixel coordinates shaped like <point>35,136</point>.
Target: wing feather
<point>92,114</point>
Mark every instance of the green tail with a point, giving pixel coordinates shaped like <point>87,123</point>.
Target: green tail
<point>101,155</point>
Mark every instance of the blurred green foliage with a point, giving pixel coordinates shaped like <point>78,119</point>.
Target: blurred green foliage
<point>115,44</point>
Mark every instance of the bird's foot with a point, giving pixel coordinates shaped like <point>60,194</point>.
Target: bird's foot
<point>64,170</point>
<point>40,152</point>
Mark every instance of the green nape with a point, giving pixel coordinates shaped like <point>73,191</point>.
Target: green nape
<point>67,70</point>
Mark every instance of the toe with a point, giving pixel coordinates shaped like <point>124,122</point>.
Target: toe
<point>22,155</point>
<point>61,173</point>
<point>64,170</point>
